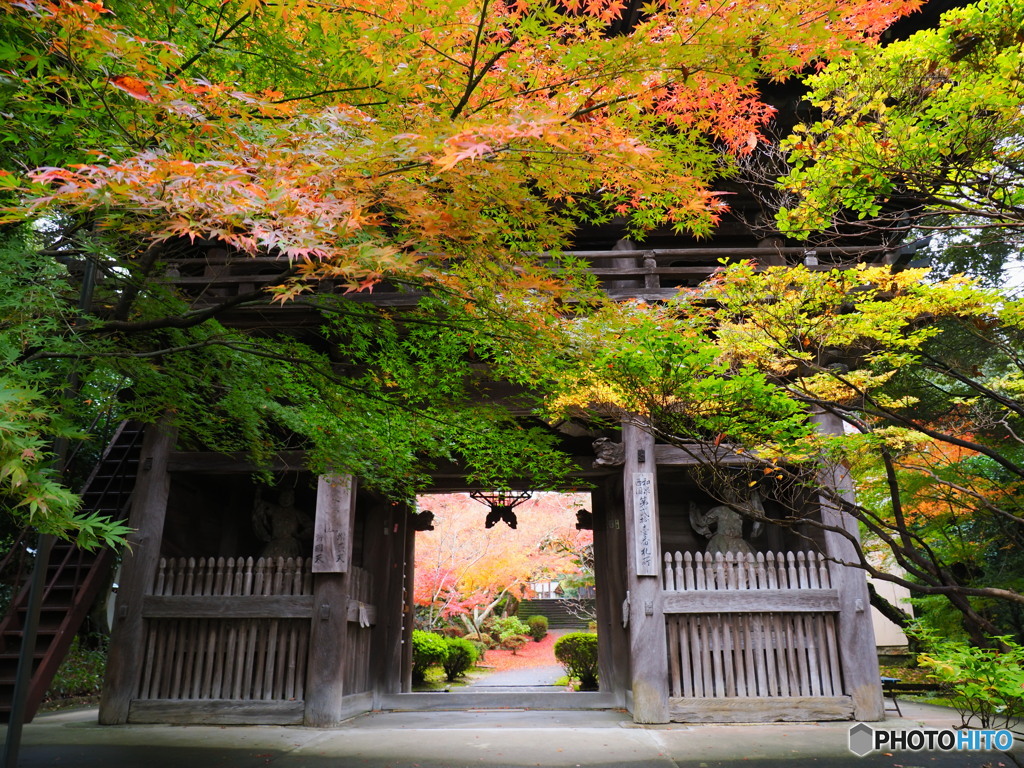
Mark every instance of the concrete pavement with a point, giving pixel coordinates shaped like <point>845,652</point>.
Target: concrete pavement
<point>499,738</point>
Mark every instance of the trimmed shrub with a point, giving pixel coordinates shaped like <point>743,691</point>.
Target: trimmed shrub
<point>428,649</point>
<point>461,656</point>
<point>538,627</point>
<point>577,653</point>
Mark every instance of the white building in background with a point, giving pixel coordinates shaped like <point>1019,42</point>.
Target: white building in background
<point>889,638</point>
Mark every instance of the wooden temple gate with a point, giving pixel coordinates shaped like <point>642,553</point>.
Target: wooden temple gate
<point>740,638</point>
<point>283,640</point>
<point>684,635</point>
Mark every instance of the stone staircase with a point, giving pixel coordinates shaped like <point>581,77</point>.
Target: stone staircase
<point>558,614</point>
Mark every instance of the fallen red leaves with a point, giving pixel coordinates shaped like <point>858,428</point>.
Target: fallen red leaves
<point>532,654</point>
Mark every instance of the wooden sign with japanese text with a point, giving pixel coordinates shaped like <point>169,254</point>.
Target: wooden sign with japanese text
<point>332,532</point>
<point>643,515</point>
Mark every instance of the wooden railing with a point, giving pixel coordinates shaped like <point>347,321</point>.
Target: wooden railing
<point>651,273</point>
<point>743,625</point>
<point>785,570</point>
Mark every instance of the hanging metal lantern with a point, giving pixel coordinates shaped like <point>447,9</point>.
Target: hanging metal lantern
<point>501,503</point>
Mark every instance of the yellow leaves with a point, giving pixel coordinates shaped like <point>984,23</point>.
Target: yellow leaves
<point>848,388</point>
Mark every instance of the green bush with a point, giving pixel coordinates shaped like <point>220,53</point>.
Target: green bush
<point>984,685</point>
<point>428,649</point>
<point>80,674</point>
<point>480,648</point>
<point>538,627</point>
<point>577,653</point>
<point>461,656</point>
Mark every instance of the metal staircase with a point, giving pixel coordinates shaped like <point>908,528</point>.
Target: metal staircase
<point>74,576</point>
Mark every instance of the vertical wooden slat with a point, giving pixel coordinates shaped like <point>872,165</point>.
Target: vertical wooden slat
<point>749,649</point>
<point>700,579</point>
<point>698,632</point>
<point>682,640</point>
<point>674,667</point>
<point>275,670</point>
<point>833,654</point>
<point>781,657</point>
<point>715,648</point>
<point>261,585</point>
<point>800,643</point>
<point>771,644</point>
<point>729,654</point>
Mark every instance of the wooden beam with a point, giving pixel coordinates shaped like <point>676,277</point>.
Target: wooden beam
<point>781,709</point>
<point>856,633</point>
<point>408,590</point>
<point>392,602</point>
<point>215,712</point>
<point>359,612</point>
<point>141,556</point>
<point>753,601</point>
<point>610,581</point>
<point>229,607</point>
<point>648,649</point>
<point>695,455</point>
<point>208,462</point>
<point>332,532</point>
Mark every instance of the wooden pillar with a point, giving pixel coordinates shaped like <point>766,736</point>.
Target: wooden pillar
<point>390,600</point>
<point>328,637</point>
<point>141,557</point>
<point>648,648</point>
<point>856,635</point>
<point>408,588</point>
<point>610,583</point>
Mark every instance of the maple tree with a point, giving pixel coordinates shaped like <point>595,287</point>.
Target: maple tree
<point>923,377</point>
<point>439,144</point>
<point>923,127</point>
<point>464,570</point>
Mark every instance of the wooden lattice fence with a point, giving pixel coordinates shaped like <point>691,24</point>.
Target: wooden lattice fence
<point>743,626</point>
<point>202,652</point>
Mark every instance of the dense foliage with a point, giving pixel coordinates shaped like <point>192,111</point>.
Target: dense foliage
<point>427,144</point>
<point>984,685</point>
<point>923,126</point>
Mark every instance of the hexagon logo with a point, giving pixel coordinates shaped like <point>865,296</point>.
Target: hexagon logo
<point>861,739</point>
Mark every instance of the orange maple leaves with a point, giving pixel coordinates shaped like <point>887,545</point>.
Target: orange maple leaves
<point>478,120</point>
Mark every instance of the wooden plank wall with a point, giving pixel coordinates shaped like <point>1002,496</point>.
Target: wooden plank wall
<point>357,649</point>
<point>772,632</point>
<point>224,656</point>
